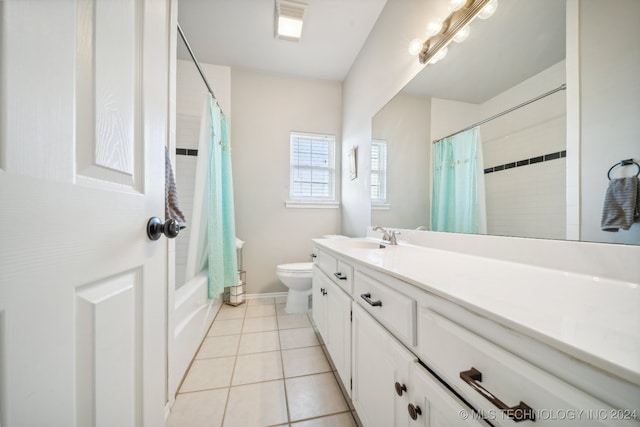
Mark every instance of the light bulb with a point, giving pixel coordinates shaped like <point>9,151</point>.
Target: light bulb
<point>488,10</point>
<point>438,56</point>
<point>462,34</point>
<point>456,5</point>
<point>433,28</point>
<point>415,46</point>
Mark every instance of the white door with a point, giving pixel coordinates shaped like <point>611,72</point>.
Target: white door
<point>338,328</point>
<point>435,406</point>
<point>380,369</point>
<point>83,126</point>
<point>319,298</point>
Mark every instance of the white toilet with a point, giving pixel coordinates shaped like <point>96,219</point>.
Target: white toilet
<point>297,277</point>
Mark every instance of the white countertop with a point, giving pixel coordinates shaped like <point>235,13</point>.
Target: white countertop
<point>593,319</point>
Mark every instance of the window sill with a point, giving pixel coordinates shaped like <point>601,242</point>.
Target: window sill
<point>380,206</point>
<point>306,204</point>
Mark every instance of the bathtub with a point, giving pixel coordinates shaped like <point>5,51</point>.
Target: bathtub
<point>192,316</point>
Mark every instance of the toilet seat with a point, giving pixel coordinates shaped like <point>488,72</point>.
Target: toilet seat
<point>296,268</point>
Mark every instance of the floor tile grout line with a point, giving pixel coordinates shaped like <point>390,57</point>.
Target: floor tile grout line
<point>348,411</point>
<point>284,378</point>
<point>284,382</point>
<point>235,361</point>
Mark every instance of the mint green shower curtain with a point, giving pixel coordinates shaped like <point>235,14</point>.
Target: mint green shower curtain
<point>222,261</point>
<point>458,184</point>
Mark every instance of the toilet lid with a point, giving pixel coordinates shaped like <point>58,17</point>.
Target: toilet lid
<point>296,267</point>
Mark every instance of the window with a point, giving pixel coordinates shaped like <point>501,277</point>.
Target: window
<point>378,171</point>
<point>312,175</point>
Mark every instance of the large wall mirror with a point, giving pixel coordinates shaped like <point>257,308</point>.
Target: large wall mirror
<point>515,56</point>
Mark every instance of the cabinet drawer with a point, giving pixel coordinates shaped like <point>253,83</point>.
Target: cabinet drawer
<point>343,276</point>
<point>327,263</point>
<point>340,272</point>
<point>396,311</point>
<point>487,376</point>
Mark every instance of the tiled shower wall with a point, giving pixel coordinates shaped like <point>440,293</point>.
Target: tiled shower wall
<point>528,200</point>
<point>526,190</point>
<point>187,130</point>
<point>190,98</point>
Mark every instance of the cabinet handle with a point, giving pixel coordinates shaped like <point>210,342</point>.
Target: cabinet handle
<point>323,291</point>
<point>520,412</point>
<point>340,276</point>
<point>312,255</point>
<point>414,411</point>
<point>367,298</point>
<point>400,388</point>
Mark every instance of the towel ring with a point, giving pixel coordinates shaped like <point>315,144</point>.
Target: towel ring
<point>623,163</point>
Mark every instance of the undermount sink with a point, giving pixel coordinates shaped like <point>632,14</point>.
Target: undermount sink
<point>361,244</point>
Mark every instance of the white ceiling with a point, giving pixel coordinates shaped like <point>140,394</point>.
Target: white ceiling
<point>240,33</point>
<point>523,38</point>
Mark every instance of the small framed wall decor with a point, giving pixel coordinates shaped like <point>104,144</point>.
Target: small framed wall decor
<point>353,163</point>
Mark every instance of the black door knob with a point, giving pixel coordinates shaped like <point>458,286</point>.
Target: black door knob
<point>155,228</point>
<point>400,388</point>
<point>414,411</point>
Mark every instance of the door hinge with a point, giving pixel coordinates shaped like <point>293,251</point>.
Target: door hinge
<point>351,384</point>
<point>351,316</point>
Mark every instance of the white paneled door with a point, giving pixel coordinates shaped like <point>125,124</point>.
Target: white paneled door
<point>83,126</point>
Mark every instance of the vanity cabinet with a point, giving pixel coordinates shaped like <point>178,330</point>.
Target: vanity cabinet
<point>392,389</point>
<point>502,386</point>
<point>331,311</point>
<point>420,358</point>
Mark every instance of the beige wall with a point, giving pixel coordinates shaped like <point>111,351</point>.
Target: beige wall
<point>405,124</point>
<point>265,109</point>
<point>610,107</point>
<point>382,68</point>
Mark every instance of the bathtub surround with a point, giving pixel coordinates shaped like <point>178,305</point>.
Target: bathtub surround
<point>190,310</point>
<point>190,91</point>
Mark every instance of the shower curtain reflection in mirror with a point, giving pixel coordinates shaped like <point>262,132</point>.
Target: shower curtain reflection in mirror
<point>458,201</point>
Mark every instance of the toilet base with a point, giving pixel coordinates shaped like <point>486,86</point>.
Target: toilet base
<point>297,302</point>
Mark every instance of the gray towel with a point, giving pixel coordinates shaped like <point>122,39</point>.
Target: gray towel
<point>621,204</point>
<point>171,209</point>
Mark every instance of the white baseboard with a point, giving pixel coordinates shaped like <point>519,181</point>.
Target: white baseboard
<point>266,295</point>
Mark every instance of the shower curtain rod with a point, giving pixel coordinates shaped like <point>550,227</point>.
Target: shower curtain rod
<point>537,98</point>
<point>195,61</point>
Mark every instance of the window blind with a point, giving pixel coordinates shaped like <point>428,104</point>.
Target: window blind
<point>312,175</point>
<point>378,171</point>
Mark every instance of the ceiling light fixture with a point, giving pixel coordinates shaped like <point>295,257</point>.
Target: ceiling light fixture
<point>455,26</point>
<point>289,16</point>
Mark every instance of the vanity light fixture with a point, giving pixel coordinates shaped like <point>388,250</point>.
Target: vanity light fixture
<point>488,11</point>
<point>455,26</point>
<point>289,16</point>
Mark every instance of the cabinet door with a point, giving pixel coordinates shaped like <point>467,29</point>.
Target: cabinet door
<point>338,327</point>
<point>379,362</point>
<point>434,405</point>
<point>319,301</point>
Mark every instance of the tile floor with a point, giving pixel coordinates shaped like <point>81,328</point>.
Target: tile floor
<point>259,366</point>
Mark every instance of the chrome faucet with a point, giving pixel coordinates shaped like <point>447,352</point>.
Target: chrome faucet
<point>389,236</point>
